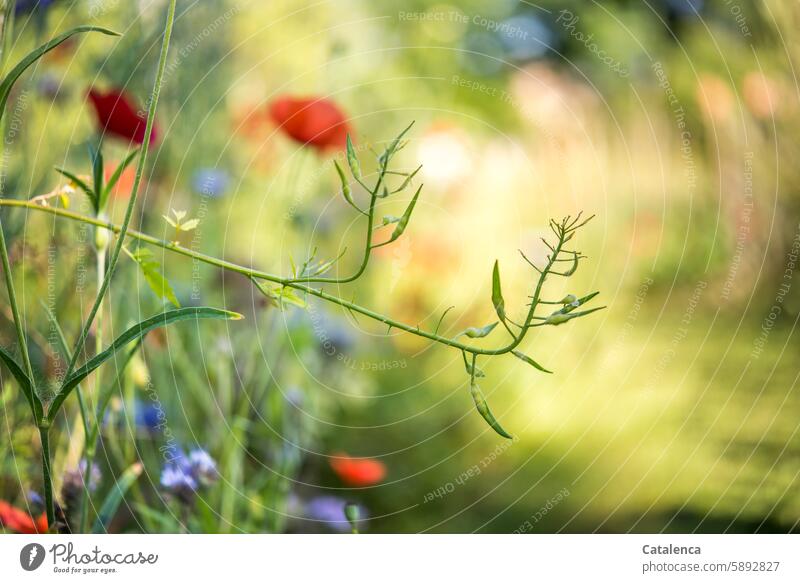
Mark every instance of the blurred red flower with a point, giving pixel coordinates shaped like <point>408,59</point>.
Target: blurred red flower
<point>13,518</point>
<point>358,471</point>
<point>315,121</point>
<point>117,115</point>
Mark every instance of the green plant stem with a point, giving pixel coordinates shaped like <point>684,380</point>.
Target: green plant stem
<point>151,113</point>
<point>255,275</point>
<point>89,443</point>
<point>6,26</point>
<point>47,475</point>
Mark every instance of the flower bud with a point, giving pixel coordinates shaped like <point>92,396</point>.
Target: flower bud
<point>569,299</point>
<point>101,236</point>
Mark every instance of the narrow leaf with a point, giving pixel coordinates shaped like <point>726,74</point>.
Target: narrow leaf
<point>131,334</point>
<point>112,182</point>
<point>25,384</point>
<point>82,185</point>
<point>483,409</point>
<point>497,294</point>
<point>525,358</point>
<point>352,159</point>
<point>114,497</point>
<point>96,156</point>
<point>36,54</point>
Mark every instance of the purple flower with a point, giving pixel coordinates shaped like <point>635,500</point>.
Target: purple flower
<point>177,479</point>
<point>75,478</point>
<point>183,476</point>
<point>203,467</point>
<point>330,511</point>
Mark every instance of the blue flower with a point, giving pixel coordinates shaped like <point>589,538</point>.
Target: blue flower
<point>330,511</point>
<point>24,6</point>
<point>210,182</point>
<point>148,416</point>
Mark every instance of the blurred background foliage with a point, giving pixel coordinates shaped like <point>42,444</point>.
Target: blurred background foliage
<point>661,414</point>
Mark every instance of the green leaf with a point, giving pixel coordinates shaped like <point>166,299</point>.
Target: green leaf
<point>280,295</point>
<point>115,497</point>
<point>497,294</point>
<point>483,409</point>
<point>352,159</point>
<point>83,186</point>
<point>131,334</point>
<point>479,332</point>
<point>525,358</point>
<point>25,384</point>
<point>112,182</point>
<point>96,156</point>
<point>151,269</point>
<point>36,54</point>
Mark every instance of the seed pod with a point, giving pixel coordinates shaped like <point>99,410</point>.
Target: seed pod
<point>483,409</point>
<point>352,159</point>
<point>479,332</point>
<point>348,195</point>
<point>525,358</point>
<point>403,222</point>
<point>497,294</point>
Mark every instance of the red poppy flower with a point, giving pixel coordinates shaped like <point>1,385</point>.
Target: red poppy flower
<point>13,518</point>
<point>117,115</point>
<point>315,121</point>
<point>358,471</point>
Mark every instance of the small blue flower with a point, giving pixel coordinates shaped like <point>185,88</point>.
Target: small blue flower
<point>24,6</point>
<point>330,511</point>
<point>148,416</point>
<point>210,182</point>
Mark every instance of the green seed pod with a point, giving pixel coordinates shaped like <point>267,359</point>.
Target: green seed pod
<point>483,409</point>
<point>569,298</point>
<point>353,515</point>
<point>352,159</point>
<point>557,318</point>
<point>102,236</point>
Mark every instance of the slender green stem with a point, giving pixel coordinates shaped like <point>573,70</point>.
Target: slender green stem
<point>151,113</point>
<point>44,436</point>
<point>7,15</point>
<point>255,274</point>
<point>12,300</point>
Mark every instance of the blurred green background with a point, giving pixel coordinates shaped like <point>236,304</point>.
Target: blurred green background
<point>673,121</point>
